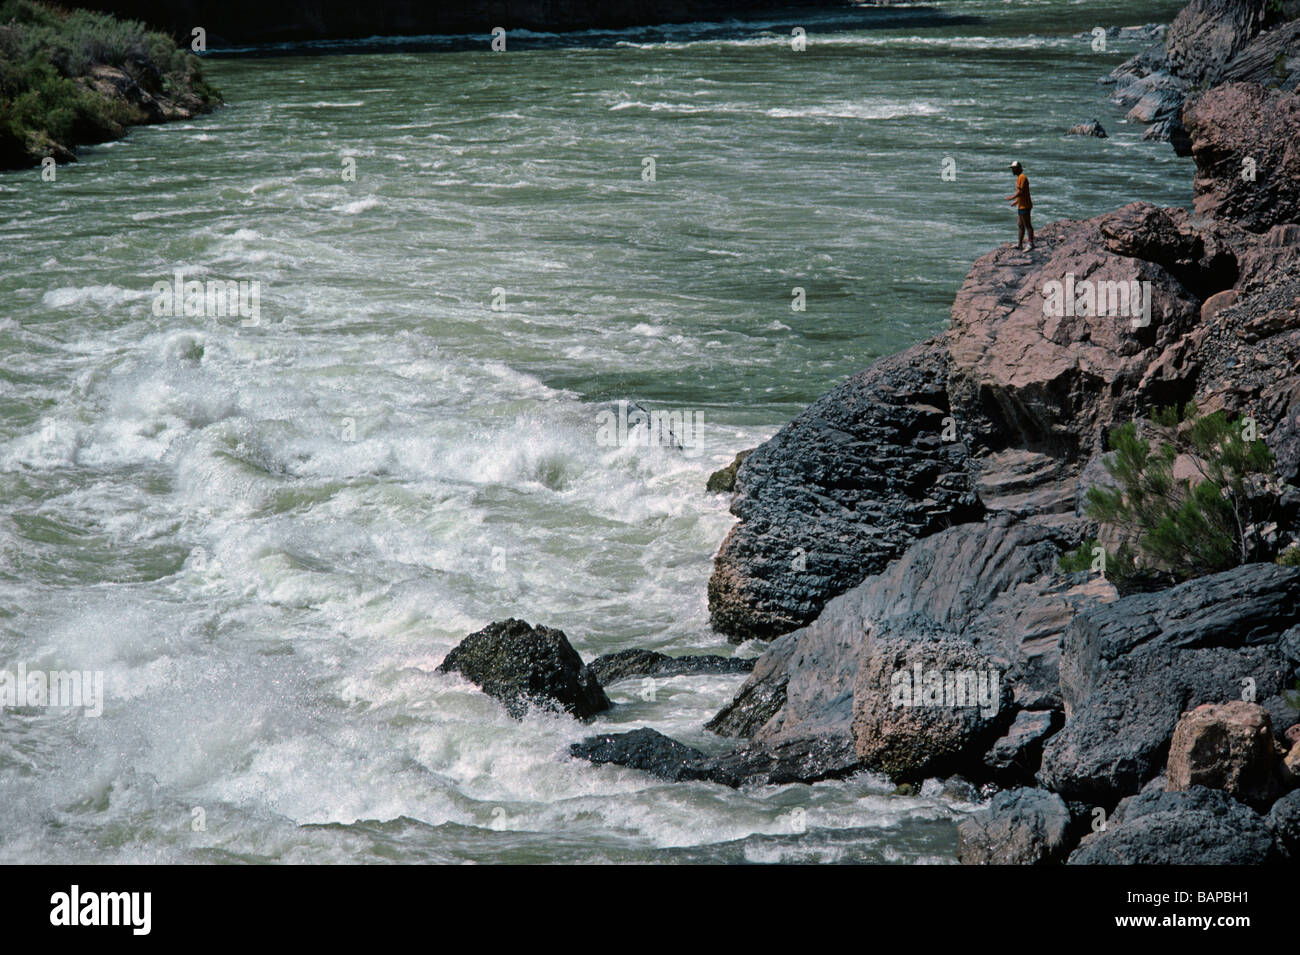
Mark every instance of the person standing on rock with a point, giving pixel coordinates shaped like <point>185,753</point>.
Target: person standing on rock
<point>1023,205</point>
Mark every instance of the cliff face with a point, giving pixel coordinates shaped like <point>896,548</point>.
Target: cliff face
<point>247,21</point>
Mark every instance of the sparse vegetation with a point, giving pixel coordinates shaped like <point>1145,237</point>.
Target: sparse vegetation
<point>1183,507</point>
<point>48,103</point>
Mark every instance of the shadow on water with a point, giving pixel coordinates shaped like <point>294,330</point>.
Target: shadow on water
<point>740,27</point>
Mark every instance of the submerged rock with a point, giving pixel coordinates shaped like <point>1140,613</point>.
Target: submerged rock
<point>723,481</point>
<point>525,666</point>
<point>1091,128</point>
<point>1018,827</point>
<point>645,749</point>
<point>628,664</point>
<point>1197,827</point>
<point>924,706</point>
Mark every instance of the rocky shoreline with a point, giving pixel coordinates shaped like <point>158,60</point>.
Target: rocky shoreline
<point>907,531</point>
<point>77,78</point>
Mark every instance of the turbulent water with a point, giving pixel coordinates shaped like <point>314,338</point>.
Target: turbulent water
<point>266,534</point>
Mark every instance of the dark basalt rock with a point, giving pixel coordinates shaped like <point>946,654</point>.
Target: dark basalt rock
<point>799,761</point>
<point>1018,827</point>
<point>1199,826</point>
<point>627,664</point>
<point>839,492</point>
<point>1091,128</point>
<point>993,583</point>
<point>644,749</point>
<point>523,666</point>
<point>1129,670</point>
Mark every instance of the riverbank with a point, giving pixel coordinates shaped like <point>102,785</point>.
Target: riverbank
<point>75,78</point>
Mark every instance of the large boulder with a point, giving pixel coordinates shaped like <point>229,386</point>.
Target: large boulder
<point>1247,162</point>
<point>525,666</point>
<point>645,749</point>
<point>1130,668</point>
<point>926,705</point>
<point>1018,827</point>
<point>1226,746</point>
<point>1026,373</point>
<point>1199,826</point>
<point>801,761</point>
<point>838,493</point>
<point>994,583</point>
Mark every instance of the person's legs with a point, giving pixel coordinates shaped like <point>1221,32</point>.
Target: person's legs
<point>1020,230</point>
<point>1029,226</point>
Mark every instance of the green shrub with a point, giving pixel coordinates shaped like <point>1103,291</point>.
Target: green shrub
<point>1179,527</point>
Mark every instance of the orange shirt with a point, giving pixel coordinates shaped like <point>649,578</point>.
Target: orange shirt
<point>1022,192</point>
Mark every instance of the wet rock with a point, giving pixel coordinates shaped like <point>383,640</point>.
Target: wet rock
<point>1247,169</point>
<point>1052,383</point>
<point>627,664</point>
<point>995,583</point>
<point>926,706</point>
<point>796,761</point>
<point>1130,668</point>
<point>723,481</point>
<point>1207,34</point>
<point>1199,826</point>
<point>1227,746</point>
<point>525,666</point>
<point>791,761</point>
<point>1019,827</point>
<point>645,749</point>
<point>839,492</point>
<point>1091,128</point>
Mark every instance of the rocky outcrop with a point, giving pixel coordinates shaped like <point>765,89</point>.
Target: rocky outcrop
<point>1210,42</point>
<point>838,493</point>
<point>1130,668</point>
<point>525,666</point>
<point>1229,747</point>
<point>1034,367</point>
<point>629,664</point>
<point>1206,34</point>
<point>1018,827</point>
<point>1247,164</point>
<point>1197,827</point>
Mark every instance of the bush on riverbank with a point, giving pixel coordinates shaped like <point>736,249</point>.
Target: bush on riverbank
<point>1178,526</point>
<point>72,78</point>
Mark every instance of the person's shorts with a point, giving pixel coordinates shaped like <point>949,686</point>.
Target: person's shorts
<point>1023,213</point>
